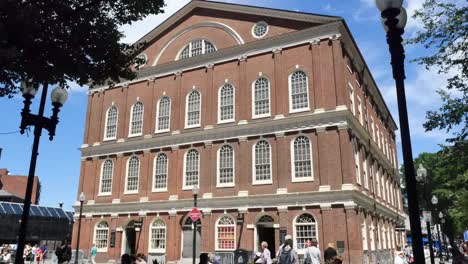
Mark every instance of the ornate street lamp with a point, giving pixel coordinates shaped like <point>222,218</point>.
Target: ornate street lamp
<point>82,198</point>
<point>421,173</point>
<point>58,97</point>
<point>194,252</point>
<point>394,20</point>
<point>434,200</point>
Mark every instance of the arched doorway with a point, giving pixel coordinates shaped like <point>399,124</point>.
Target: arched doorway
<point>187,238</point>
<point>129,239</point>
<point>265,231</point>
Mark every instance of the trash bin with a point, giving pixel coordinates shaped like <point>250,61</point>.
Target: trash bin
<point>242,256</point>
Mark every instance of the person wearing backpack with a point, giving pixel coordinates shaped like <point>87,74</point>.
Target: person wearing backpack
<point>312,253</point>
<point>287,254</point>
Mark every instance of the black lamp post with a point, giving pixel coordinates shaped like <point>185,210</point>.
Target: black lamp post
<point>58,96</point>
<point>394,20</point>
<point>82,198</point>
<point>421,176</point>
<point>194,252</point>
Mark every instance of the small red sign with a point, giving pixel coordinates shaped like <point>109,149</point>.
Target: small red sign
<point>195,214</point>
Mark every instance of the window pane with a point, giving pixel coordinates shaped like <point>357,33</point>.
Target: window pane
<point>226,233</point>
<point>101,235</point>
<point>197,47</point>
<point>160,172</point>
<point>191,168</point>
<point>299,98</point>
<point>262,161</point>
<point>262,96</point>
<point>226,103</point>
<point>137,119</point>
<point>106,176</point>
<point>111,123</point>
<point>133,174</point>
<point>164,112</point>
<point>306,228</point>
<point>158,235</point>
<point>193,108</point>
<point>226,165</point>
<point>302,159</point>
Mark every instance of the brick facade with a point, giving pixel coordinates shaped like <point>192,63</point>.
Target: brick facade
<point>335,202</point>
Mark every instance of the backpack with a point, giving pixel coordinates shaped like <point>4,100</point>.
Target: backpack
<point>285,257</point>
<point>308,258</point>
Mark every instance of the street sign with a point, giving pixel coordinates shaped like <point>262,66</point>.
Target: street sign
<point>427,216</point>
<point>195,214</point>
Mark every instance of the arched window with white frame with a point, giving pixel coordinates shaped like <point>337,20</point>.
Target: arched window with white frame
<point>225,166</point>
<point>225,234</point>
<point>157,236</point>
<point>193,109</point>
<point>305,228</point>
<point>112,116</point>
<point>160,173</point>
<point>107,171</point>
<point>136,119</point>
<point>191,169</point>
<point>372,237</point>
<point>196,47</point>
<point>357,162</point>
<point>101,236</point>
<point>133,174</point>
<point>364,235</point>
<point>226,104</point>
<point>163,115</point>
<point>298,92</point>
<point>261,98</point>
<point>262,163</point>
<point>301,159</point>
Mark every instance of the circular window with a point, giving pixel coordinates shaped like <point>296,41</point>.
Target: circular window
<point>260,29</point>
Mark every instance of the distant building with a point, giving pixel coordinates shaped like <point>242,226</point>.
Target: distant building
<point>16,185</point>
<point>272,114</point>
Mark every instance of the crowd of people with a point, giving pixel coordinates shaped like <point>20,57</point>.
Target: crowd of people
<point>6,251</point>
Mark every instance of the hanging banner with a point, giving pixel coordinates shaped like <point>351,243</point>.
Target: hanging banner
<point>465,235</point>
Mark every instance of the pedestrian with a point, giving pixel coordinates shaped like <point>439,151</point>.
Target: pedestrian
<point>5,257</point>
<point>399,256</point>
<point>33,254</point>
<point>93,254</point>
<point>330,253</point>
<point>38,255</point>
<point>140,258</point>
<point>126,259</point>
<point>213,259</point>
<point>312,253</point>
<point>287,254</point>
<point>27,253</point>
<point>63,252</point>
<point>265,256</point>
<point>287,237</point>
<point>44,252</point>
<point>204,259</point>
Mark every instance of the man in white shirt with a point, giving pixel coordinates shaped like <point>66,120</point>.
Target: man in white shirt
<point>265,257</point>
<point>312,251</point>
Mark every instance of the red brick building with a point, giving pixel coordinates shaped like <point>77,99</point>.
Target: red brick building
<point>16,185</point>
<point>272,114</point>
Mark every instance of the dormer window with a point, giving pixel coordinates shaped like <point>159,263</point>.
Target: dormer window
<point>195,48</point>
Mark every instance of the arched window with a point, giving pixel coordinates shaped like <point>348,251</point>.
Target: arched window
<point>262,163</point>
<point>225,233</point>
<point>302,159</point>
<point>305,228</point>
<point>110,131</point>
<point>160,173</point>
<point>195,48</point>
<point>158,236</point>
<point>133,173</point>
<point>193,107</point>
<point>163,121</point>
<point>192,163</point>
<point>226,104</point>
<point>299,92</point>
<point>364,235</point>
<point>226,166</point>
<point>261,98</point>
<point>372,236</point>
<point>101,236</point>
<point>136,119</point>
<point>107,171</point>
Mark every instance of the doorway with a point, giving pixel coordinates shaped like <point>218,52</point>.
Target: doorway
<point>187,238</point>
<point>265,231</point>
<point>129,239</point>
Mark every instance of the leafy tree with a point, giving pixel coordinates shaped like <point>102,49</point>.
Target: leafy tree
<point>445,35</point>
<point>56,41</point>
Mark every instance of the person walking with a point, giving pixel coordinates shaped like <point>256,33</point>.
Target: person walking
<point>265,256</point>
<point>44,252</point>
<point>330,254</point>
<point>93,254</point>
<point>140,258</point>
<point>312,253</point>
<point>287,254</point>
<point>33,254</point>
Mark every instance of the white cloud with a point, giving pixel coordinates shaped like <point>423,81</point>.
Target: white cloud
<point>138,29</point>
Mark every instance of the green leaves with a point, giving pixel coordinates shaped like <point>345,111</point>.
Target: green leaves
<point>56,41</point>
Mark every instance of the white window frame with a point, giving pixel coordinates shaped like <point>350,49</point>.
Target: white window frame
<point>186,187</point>
<point>156,130</point>
<point>216,233</point>
<point>360,110</point>
<point>377,177</point>
<point>233,104</point>
<point>100,179</point>
<point>293,159</point>
<point>378,136</point>
<point>254,174</point>
<point>258,23</point>
<point>154,173</point>
<point>291,109</point>
<point>189,45</point>
<point>254,116</point>
<point>373,242</point>
<point>218,162</point>
<point>96,228</point>
<point>357,162</point>
<point>131,120</point>
<point>373,128</point>
<point>365,241</point>
<point>126,176</point>
<point>365,170</point>
<point>186,110</point>
<point>116,124</point>
<point>351,98</point>
<point>150,237</point>
<point>379,236</point>
<point>295,224</point>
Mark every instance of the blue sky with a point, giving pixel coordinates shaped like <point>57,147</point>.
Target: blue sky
<point>59,161</point>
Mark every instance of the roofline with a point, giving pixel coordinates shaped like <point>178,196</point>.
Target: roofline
<point>192,5</point>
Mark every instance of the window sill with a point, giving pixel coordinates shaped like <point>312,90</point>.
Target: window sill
<point>192,126</point>
<point>261,116</point>
<point>157,251</point>
<point>220,122</point>
<point>103,250</point>
<point>109,139</point>
<point>225,185</point>
<point>135,135</point>
<point>104,194</point>
<point>131,192</point>
<point>293,111</point>
<point>189,188</point>
<point>162,131</point>
<point>308,179</point>
<point>262,182</point>
<point>159,190</point>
